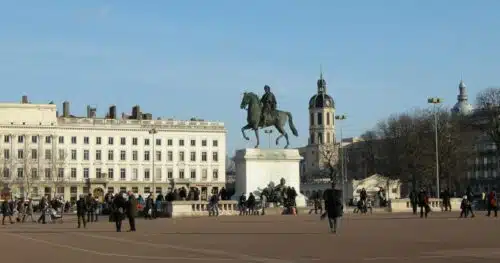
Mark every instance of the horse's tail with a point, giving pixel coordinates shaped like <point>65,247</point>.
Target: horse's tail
<point>292,126</point>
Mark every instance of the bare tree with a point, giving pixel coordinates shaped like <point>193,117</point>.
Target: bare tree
<point>405,147</point>
<point>59,170</point>
<point>329,156</point>
<point>20,166</point>
<point>4,169</point>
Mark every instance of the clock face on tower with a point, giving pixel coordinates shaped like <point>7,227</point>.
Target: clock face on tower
<point>327,103</point>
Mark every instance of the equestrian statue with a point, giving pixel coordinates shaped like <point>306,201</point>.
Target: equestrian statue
<point>262,113</point>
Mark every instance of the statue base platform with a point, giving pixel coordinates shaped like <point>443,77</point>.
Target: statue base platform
<point>256,168</point>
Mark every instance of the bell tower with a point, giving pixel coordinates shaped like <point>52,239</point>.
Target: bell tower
<point>321,116</point>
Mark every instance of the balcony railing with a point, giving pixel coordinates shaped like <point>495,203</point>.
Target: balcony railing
<point>143,123</point>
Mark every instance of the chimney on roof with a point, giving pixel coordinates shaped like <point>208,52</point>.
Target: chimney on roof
<point>112,112</point>
<point>91,112</point>
<point>66,109</point>
<point>136,112</point>
<point>24,99</point>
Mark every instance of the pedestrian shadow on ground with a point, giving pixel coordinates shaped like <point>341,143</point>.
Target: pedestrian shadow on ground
<point>64,231</point>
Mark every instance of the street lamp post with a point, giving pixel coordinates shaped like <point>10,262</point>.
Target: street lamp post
<point>153,131</point>
<point>269,132</point>
<point>436,101</point>
<point>341,152</point>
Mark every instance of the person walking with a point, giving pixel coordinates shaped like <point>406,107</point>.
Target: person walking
<point>6,211</point>
<point>334,207</point>
<point>29,211</point>
<point>470,198</point>
<point>44,205</point>
<point>81,211</point>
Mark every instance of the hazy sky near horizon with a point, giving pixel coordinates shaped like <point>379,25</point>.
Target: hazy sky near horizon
<point>190,58</point>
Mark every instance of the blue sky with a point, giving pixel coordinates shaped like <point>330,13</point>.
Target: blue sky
<point>185,58</point>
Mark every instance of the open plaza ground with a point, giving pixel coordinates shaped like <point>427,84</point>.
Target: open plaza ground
<point>282,239</point>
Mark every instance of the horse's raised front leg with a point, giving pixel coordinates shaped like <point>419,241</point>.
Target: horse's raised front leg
<point>246,127</point>
<point>257,137</point>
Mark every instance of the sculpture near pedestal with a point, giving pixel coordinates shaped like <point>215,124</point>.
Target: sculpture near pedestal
<point>263,113</point>
<point>257,168</point>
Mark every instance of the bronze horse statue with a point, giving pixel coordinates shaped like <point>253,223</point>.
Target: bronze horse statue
<point>252,103</point>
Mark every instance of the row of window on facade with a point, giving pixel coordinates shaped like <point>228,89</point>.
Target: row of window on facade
<point>319,118</point>
<point>62,155</point>
<point>111,140</point>
<point>110,175</point>
<point>319,138</point>
<point>490,173</point>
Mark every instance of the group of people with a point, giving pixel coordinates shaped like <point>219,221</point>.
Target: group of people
<point>122,205</point>
<point>20,209</point>
<point>421,200</point>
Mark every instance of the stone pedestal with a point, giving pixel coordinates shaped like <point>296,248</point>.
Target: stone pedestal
<point>256,168</point>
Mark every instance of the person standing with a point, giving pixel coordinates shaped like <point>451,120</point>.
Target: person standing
<point>492,202</point>
<point>118,211</point>
<point>334,207</point>
<point>446,200</point>
<point>423,203</point>
<point>414,201</point>
<point>263,201</point>
<point>89,202</point>
<point>131,211</point>
<point>81,211</point>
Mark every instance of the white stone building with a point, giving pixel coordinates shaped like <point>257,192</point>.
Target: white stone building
<point>42,153</point>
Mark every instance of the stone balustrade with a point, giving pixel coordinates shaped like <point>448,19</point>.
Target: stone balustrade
<point>404,205</point>
<point>197,208</point>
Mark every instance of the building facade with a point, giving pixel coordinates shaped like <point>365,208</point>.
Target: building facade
<point>43,153</point>
<point>321,147</point>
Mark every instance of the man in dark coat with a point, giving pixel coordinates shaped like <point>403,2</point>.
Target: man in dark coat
<point>43,208</point>
<point>81,211</point>
<point>414,201</point>
<point>131,210</point>
<point>6,211</point>
<point>118,211</point>
<point>334,207</point>
<point>423,203</point>
<point>89,201</point>
<point>446,200</point>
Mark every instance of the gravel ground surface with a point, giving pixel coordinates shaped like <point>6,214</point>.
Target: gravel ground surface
<point>363,238</point>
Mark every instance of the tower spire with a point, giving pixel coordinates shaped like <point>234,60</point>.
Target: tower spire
<point>320,71</point>
<point>321,82</point>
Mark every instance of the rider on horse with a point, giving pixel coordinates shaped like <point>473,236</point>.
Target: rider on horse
<point>268,102</point>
